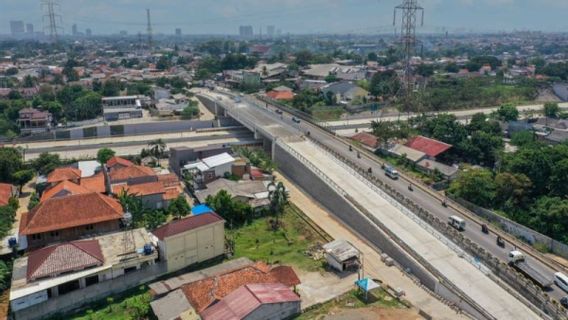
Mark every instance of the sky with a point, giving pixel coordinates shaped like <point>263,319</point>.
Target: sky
<point>294,16</point>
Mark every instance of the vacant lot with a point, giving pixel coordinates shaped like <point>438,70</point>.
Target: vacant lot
<point>287,245</point>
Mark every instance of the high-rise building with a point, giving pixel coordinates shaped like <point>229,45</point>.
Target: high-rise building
<point>16,27</point>
<point>270,30</point>
<point>29,28</point>
<point>123,33</point>
<point>74,30</point>
<point>88,32</point>
<point>246,31</point>
<point>178,32</point>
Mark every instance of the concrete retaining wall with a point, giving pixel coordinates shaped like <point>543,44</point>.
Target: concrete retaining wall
<point>343,210</point>
<point>516,229</point>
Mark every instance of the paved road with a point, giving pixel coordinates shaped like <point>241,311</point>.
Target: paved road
<point>124,148</point>
<point>501,304</point>
<point>473,231</point>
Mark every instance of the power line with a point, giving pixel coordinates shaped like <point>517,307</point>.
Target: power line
<point>50,19</point>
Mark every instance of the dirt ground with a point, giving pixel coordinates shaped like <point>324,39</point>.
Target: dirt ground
<point>372,313</point>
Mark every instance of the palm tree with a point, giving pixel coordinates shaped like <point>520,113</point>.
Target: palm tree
<point>157,148</point>
<point>278,196</point>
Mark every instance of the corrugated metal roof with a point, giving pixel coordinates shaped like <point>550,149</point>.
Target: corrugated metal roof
<point>342,250</point>
<point>218,160</point>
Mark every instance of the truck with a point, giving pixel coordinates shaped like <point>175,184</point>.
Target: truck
<point>457,223</point>
<point>518,261</point>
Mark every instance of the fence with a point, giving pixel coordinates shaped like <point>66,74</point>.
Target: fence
<point>516,229</point>
<point>500,272</point>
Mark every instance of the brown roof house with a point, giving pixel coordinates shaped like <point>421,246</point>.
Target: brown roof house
<point>34,121</point>
<point>201,291</point>
<point>155,190</point>
<point>69,218</point>
<point>66,275</point>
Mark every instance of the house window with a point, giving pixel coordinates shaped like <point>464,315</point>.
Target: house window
<point>36,236</point>
<point>89,227</point>
<point>54,234</point>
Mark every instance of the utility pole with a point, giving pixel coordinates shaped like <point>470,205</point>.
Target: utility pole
<point>50,19</point>
<point>149,29</point>
<point>409,10</point>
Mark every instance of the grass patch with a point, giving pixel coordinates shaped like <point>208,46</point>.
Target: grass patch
<point>327,113</point>
<point>130,305</point>
<point>287,245</point>
<point>354,299</point>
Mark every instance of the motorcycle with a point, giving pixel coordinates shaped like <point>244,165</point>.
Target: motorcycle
<point>410,187</point>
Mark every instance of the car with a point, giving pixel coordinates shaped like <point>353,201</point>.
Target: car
<point>296,120</point>
<point>564,302</point>
<point>278,111</point>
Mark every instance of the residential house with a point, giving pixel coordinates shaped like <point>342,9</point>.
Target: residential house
<point>431,147</point>
<point>201,290</point>
<point>252,192</point>
<point>71,273</point>
<point>66,218</point>
<point>64,174</point>
<point>347,73</point>
<point>32,120</point>
<point>552,131</point>
<point>7,191</point>
<point>256,301</point>
<point>281,95</point>
<point>210,168</point>
<point>345,92</point>
<point>156,191</point>
<point>191,240</point>
<point>271,70</point>
<point>122,107</point>
<point>368,140</point>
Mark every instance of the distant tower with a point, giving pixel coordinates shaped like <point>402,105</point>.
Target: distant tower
<point>149,29</point>
<point>178,32</point>
<point>50,19</point>
<point>409,9</point>
<point>29,28</point>
<point>88,32</point>
<point>74,30</point>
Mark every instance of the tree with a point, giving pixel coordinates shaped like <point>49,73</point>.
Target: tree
<point>230,209</point>
<point>104,155</point>
<point>508,112</point>
<point>549,216</point>
<point>189,112</point>
<point>46,162</point>
<point>558,185</point>
<point>157,148</point>
<point>278,196</point>
<point>372,56</point>
<point>20,178</point>
<point>163,63</point>
<point>474,185</point>
<point>512,191</point>
<point>384,83</point>
<point>10,162</point>
<point>551,109</point>
<point>179,207</point>
<point>86,107</point>
<point>331,78</point>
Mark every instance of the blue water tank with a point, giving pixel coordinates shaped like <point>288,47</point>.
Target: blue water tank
<point>12,242</point>
<point>148,249</point>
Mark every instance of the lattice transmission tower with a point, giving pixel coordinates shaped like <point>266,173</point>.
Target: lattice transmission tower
<point>51,21</point>
<point>149,29</point>
<point>409,10</point>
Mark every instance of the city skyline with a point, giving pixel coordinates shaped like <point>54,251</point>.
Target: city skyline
<point>294,16</point>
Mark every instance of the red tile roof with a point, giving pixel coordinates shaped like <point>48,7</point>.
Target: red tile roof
<point>71,211</point>
<point>367,139</point>
<point>6,191</point>
<point>280,95</point>
<point>242,302</point>
<point>142,189</point>
<point>119,161</point>
<point>171,193</point>
<point>95,183</point>
<point>186,224</point>
<point>63,188</point>
<point>429,146</point>
<point>61,174</point>
<point>122,174</point>
<point>201,294</point>
<point>169,180</point>
<point>57,259</point>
